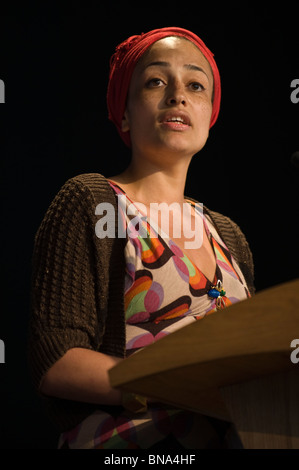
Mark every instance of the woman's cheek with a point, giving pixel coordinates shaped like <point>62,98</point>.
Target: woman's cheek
<point>205,113</point>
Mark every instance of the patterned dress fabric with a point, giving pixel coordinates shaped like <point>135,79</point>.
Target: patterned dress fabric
<point>164,291</point>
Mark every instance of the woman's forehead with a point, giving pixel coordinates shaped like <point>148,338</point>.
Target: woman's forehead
<point>173,47</point>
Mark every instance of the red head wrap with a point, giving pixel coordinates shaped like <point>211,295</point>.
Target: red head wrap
<point>125,58</point>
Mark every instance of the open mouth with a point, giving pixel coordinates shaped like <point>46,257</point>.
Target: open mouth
<point>176,120</point>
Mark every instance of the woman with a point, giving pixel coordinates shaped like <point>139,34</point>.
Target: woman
<point>98,299</point>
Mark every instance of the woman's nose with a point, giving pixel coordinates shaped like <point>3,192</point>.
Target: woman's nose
<point>175,95</point>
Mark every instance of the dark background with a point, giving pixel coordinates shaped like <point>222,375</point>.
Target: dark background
<point>54,126</point>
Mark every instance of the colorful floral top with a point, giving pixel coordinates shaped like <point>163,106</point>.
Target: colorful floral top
<point>164,291</point>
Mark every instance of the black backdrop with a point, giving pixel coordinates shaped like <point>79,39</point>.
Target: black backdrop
<point>54,126</point>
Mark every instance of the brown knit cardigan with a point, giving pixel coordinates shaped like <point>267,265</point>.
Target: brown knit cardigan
<point>77,297</point>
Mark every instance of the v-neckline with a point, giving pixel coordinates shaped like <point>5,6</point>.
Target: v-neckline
<point>209,236</point>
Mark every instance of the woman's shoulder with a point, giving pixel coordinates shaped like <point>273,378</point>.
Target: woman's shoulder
<point>85,188</point>
<point>222,222</point>
<point>216,217</point>
<point>77,199</point>
<point>90,182</point>
<point>229,229</point>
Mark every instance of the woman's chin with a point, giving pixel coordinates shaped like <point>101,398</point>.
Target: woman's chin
<point>180,146</point>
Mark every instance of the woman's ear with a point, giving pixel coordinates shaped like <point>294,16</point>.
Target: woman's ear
<point>125,127</point>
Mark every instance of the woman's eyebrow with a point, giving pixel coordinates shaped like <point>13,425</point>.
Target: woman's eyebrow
<point>194,67</point>
<point>167,64</point>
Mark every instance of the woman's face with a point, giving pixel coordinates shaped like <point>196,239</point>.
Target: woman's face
<point>169,102</point>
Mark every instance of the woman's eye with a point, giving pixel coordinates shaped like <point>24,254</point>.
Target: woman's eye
<point>154,82</point>
<point>196,86</point>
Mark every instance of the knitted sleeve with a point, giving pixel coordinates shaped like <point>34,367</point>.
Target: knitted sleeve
<point>69,280</point>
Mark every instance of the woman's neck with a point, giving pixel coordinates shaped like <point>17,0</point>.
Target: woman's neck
<point>152,183</point>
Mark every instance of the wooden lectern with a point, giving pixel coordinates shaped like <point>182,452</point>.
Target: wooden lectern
<point>234,364</point>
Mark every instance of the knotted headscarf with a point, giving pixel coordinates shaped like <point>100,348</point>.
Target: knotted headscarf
<point>126,56</point>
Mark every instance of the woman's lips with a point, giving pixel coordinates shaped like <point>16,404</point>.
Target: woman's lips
<point>176,120</point>
<point>175,125</point>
